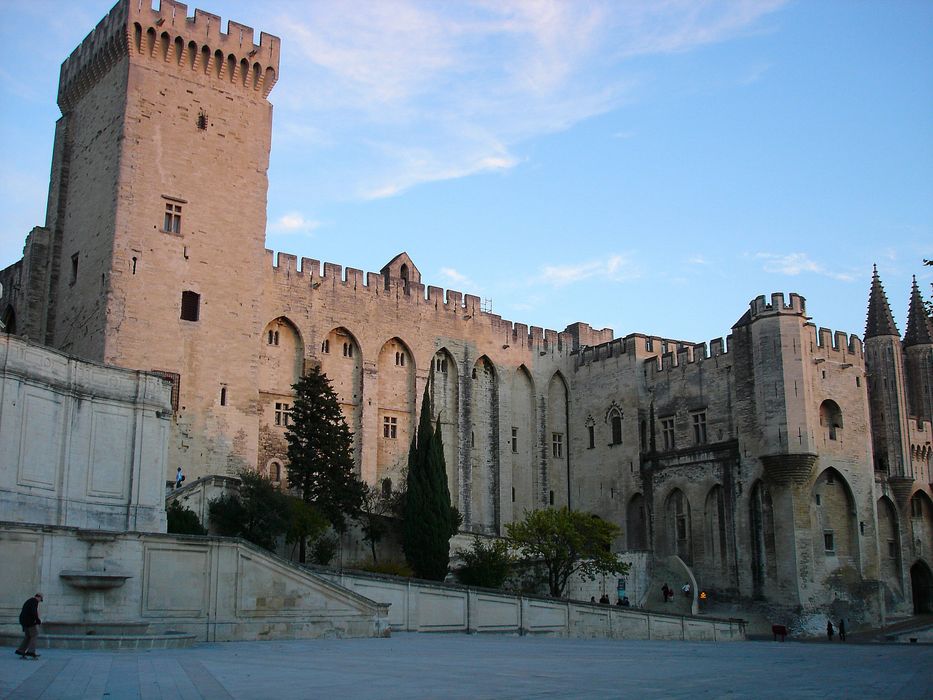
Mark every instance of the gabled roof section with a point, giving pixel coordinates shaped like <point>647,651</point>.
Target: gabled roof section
<point>880,321</point>
<point>402,263</point>
<point>919,326</point>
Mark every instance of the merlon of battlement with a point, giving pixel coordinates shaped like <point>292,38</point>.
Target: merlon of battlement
<point>796,305</point>
<point>167,34</point>
<point>838,342</point>
<point>313,274</point>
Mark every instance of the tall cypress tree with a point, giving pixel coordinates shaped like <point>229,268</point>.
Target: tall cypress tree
<point>428,516</point>
<point>320,452</point>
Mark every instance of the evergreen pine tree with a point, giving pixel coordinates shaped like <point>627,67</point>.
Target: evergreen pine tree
<point>320,452</point>
<point>428,515</point>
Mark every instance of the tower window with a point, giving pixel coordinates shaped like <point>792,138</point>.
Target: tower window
<point>667,430</point>
<point>513,494</point>
<point>325,346</point>
<point>551,498</point>
<point>829,542</point>
<point>171,223</point>
<point>514,441</point>
<point>74,268</point>
<point>699,428</point>
<point>190,306</point>
<point>273,338</point>
<point>616,423</point>
<point>592,433</point>
<point>390,427</point>
<point>282,414</point>
<point>557,445</point>
<point>347,349</point>
<point>400,359</point>
<point>223,396</point>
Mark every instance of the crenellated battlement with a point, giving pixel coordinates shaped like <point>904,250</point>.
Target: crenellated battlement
<point>314,276</point>
<point>779,305</point>
<point>167,34</point>
<point>95,56</point>
<point>834,345</point>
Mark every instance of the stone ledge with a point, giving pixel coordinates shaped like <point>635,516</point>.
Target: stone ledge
<point>169,640</point>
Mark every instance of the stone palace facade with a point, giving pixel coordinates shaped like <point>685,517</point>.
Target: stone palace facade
<point>786,463</point>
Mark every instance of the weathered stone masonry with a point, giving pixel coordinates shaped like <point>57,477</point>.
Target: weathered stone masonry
<point>786,463</point>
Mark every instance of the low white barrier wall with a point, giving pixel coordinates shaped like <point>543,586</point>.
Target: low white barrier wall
<point>422,606</point>
<point>218,589</point>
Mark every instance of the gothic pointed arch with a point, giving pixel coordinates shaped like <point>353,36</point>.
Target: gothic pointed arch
<point>889,546</point>
<point>678,530</point>
<point>341,360</point>
<point>281,356</point>
<point>714,530</point>
<point>921,584</point>
<point>445,393</point>
<point>522,442</point>
<point>395,374</point>
<point>834,523</point>
<point>556,488</point>
<point>482,470</point>
<point>763,547</point>
<point>636,521</point>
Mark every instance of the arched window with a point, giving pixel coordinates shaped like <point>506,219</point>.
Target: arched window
<point>275,471</point>
<point>831,418</point>
<point>404,273</point>
<point>615,422</point>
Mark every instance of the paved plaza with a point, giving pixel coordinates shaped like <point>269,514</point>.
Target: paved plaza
<point>462,666</point>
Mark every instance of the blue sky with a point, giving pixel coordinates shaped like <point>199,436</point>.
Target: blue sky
<point>646,166</point>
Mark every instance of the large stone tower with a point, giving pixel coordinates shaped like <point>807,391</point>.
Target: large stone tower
<point>918,347</point>
<point>886,390</point>
<point>156,216</point>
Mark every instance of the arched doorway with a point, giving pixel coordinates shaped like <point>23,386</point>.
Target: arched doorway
<point>921,581</point>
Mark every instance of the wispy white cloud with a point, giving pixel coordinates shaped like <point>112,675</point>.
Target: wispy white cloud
<point>615,268</point>
<point>446,90</point>
<point>293,222</point>
<point>697,260</point>
<point>794,264</point>
<point>454,277</point>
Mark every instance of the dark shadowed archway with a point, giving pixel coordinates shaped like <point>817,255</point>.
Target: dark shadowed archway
<point>921,581</point>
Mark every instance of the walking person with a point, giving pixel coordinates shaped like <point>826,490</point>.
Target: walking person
<point>665,592</point>
<point>830,631</point>
<point>842,630</point>
<point>179,477</point>
<point>29,621</point>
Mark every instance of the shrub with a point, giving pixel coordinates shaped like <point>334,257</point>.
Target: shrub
<point>183,521</point>
<point>486,564</point>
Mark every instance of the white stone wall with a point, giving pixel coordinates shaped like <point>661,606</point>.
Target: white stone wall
<point>215,588</point>
<point>81,444</point>
<point>420,606</point>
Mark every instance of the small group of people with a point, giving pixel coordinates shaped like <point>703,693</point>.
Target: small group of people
<point>29,621</point>
<point>667,593</point>
<point>604,600</point>
<point>830,630</point>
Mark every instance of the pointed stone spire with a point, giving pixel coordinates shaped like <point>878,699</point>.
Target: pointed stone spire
<point>880,321</point>
<point>919,326</point>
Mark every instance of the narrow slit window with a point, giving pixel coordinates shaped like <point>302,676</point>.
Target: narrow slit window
<point>223,396</point>
<point>74,268</point>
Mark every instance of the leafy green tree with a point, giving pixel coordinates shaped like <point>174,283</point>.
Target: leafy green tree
<point>375,514</point>
<point>183,521</point>
<point>320,452</point>
<point>429,519</point>
<point>567,542</point>
<point>304,523</point>
<point>485,564</point>
<point>257,512</point>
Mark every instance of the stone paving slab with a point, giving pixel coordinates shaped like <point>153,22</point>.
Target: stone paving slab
<point>477,666</point>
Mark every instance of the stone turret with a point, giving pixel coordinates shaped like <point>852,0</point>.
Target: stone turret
<point>918,347</point>
<point>886,386</point>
